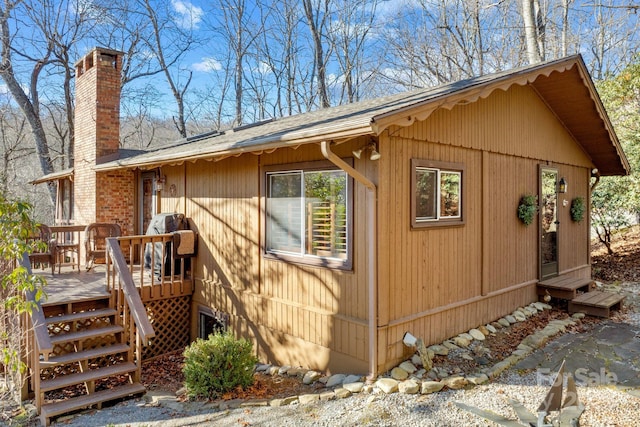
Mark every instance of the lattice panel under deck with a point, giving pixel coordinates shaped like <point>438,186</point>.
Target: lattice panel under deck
<point>170,319</point>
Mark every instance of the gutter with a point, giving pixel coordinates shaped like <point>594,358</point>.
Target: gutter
<point>372,192</point>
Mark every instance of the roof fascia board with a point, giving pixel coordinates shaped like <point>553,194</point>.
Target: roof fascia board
<point>54,176</point>
<point>602,112</point>
<point>406,116</point>
<point>289,139</point>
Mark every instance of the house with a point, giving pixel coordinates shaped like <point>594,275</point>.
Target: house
<point>324,237</point>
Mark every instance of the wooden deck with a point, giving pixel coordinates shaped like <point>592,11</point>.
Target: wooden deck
<point>564,287</point>
<point>73,285</point>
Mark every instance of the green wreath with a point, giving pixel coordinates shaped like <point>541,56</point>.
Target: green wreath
<point>527,208</point>
<point>577,209</point>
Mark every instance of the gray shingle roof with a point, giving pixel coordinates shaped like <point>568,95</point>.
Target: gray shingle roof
<point>343,121</point>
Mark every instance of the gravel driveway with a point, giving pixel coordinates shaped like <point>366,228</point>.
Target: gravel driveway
<point>605,406</point>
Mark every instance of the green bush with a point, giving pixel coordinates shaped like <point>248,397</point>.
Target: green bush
<point>217,365</point>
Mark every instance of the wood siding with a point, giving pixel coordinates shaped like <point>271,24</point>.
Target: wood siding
<point>439,282</point>
<point>296,314</point>
<point>434,282</point>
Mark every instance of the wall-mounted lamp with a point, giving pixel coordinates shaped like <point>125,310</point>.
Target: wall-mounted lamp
<point>160,183</point>
<point>562,186</point>
<point>375,155</point>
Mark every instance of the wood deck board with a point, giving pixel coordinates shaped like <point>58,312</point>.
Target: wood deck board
<point>71,285</point>
<point>90,375</point>
<point>88,333</point>
<point>570,283</point>
<point>53,409</point>
<point>84,355</point>
<point>104,312</point>
<point>564,287</point>
<point>598,299</point>
<point>596,303</point>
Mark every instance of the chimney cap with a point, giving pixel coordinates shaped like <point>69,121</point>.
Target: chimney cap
<point>100,50</point>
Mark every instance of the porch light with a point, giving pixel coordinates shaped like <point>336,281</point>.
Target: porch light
<point>160,183</point>
<point>375,155</point>
<point>562,186</point>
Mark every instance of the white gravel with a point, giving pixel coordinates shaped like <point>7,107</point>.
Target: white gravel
<point>605,406</point>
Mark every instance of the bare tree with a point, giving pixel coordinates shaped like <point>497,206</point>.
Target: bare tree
<point>448,40</point>
<point>349,33</point>
<point>534,30</point>
<point>41,44</point>
<point>235,28</point>
<point>169,41</point>
<point>317,13</point>
<point>13,146</point>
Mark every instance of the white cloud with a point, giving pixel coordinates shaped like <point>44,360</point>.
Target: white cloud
<point>207,65</point>
<point>188,14</point>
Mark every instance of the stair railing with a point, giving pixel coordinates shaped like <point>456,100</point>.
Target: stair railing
<point>38,343</point>
<point>127,301</point>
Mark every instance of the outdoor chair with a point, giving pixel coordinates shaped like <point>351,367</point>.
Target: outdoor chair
<point>45,253</point>
<point>95,244</point>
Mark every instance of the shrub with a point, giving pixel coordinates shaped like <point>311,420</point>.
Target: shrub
<point>16,225</point>
<point>218,364</point>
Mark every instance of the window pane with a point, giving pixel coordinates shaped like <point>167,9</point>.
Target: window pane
<point>449,194</point>
<point>284,212</point>
<point>426,199</point>
<point>326,213</point>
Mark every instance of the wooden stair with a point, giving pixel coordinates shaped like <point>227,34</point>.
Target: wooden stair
<point>89,349</point>
<point>581,295</point>
<point>596,303</point>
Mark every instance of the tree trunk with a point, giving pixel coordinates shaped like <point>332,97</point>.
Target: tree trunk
<point>26,105</point>
<point>530,31</point>
<point>319,60</point>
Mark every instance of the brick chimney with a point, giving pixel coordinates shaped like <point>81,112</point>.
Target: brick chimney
<point>103,196</point>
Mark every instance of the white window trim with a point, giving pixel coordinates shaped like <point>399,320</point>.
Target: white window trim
<point>303,257</point>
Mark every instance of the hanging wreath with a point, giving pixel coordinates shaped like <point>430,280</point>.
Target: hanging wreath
<point>527,208</point>
<point>577,209</point>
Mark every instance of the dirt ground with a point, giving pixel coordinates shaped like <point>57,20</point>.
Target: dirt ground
<point>624,264</point>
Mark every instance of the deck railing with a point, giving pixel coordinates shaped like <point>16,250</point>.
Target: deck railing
<point>38,342</point>
<point>127,301</point>
<point>156,269</point>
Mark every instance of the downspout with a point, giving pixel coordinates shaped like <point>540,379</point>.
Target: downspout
<point>325,146</point>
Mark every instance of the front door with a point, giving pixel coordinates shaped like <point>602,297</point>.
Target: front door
<point>548,223</point>
<point>148,201</point>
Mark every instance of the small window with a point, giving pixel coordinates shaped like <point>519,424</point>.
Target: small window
<point>308,214</point>
<point>211,322</point>
<point>436,189</point>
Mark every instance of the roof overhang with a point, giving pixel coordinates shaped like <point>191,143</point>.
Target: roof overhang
<point>567,89</point>
<point>564,85</point>
<point>55,176</point>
